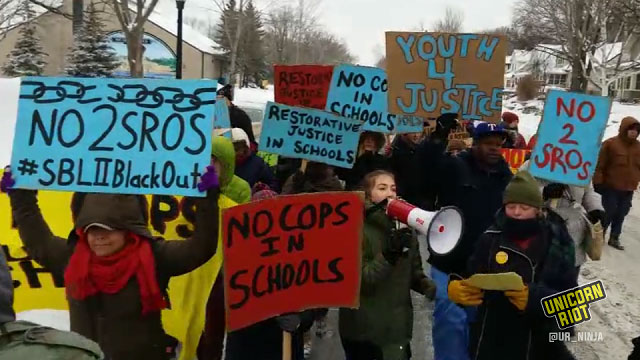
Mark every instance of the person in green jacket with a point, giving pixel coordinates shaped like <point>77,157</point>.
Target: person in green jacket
<point>381,328</point>
<point>223,156</point>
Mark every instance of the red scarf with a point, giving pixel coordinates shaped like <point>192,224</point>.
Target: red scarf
<point>88,274</point>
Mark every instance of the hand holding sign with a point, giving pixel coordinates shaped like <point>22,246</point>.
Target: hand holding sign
<point>569,137</point>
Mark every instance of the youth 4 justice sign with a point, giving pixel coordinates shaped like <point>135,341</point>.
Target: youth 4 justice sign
<point>292,253</point>
<point>132,136</point>
<point>569,137</point>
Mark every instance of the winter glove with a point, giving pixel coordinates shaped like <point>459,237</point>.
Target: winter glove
<point>553,191</point>
<point>7,182</point>
<point>428,288</point>
<point>444,125</point>
<point>596,216</point>
<point>209,179</point>
<point>460,292</point>
<point>518,298</point>
<point>399,242</point>
<point>289,322</point>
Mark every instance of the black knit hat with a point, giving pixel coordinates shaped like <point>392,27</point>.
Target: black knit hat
<point>226,91</point>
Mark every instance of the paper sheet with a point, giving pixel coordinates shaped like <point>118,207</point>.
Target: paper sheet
<point>499,282</point>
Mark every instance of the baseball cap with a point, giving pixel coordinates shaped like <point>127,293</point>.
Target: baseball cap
<point>484,128</point>
<point>238,135</point>
<point>100,225</point>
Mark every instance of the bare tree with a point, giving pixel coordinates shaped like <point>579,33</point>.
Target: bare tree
<point>8,12</point>
<point>132,23</point>
<point>451,23</point>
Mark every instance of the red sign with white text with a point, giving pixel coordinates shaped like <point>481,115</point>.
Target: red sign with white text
<point>302,85</point>
<point>292,253</point>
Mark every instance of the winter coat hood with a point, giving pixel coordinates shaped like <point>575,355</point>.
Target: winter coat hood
<point>222,149</point>
<point>626,124</point>
<point>124,212</point>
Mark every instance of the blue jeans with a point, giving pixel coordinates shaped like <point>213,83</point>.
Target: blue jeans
<point>616,204</point>
<point>450,323</point>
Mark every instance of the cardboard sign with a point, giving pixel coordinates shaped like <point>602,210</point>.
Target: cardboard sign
<point>302,85</point>
<point>434,73</point>
<point>113,135</point>
<point>270,159</point>
<point>310,134</point>
<point>292,253</point>
<point>360,92</point>
<point>221,118</point>
<point>515,158</point>
<point>569,137</point>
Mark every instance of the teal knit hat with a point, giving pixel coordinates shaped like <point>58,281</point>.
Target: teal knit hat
<point>523,189</point>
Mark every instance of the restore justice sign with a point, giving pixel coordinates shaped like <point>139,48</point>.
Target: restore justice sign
<point>291,253</point>
<point>113,135</point>
<point>569,137</point>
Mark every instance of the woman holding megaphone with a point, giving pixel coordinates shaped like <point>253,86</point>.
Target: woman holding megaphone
<point>391,266</point>
<point>532,242</point>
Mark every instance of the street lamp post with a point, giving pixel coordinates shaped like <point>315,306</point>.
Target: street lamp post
<point>180,6</point>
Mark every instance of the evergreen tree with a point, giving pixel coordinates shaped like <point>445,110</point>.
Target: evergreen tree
<point>91,55</point>
<point>27,57</point>
<point>251,56</point>
<point>226,28</point>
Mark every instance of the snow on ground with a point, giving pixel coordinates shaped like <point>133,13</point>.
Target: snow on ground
<point>253,97</point>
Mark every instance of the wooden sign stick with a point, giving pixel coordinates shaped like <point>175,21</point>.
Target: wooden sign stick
<point>286,344</point>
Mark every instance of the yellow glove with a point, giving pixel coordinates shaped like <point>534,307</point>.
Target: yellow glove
<point>518,298</point>
<point>460,292</point>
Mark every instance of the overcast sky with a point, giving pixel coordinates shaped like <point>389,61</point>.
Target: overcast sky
<point>362,23</point>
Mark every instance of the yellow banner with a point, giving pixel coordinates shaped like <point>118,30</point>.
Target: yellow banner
<point>170,217</point>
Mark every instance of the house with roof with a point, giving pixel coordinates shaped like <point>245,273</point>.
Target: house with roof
<point>615,69</point>
<point>201,56</point>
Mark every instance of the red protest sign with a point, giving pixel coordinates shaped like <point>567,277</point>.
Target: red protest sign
<point>515,157</point>
<point>302,85</point>
<point>291,253</point>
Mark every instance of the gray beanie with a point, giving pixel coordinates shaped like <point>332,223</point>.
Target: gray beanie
<point>6,292</point>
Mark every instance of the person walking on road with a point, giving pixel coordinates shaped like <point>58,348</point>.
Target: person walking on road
<point>391,267</point>
<point>617,176</point>
<point>533,242</point>
<point>473,181</point>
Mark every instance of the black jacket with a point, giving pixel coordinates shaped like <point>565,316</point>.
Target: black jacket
<point>477,192</point>
<point>240,119</point>
<point>500,330</point>
<point>403,162</point>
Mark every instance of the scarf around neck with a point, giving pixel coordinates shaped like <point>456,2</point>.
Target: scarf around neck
<point>87,274</point>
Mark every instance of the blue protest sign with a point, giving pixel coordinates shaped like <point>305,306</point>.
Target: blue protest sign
<point>569,137</point>
<point>360,93</point>
<point>221,118</point>
<point>134,136</point>
<point>310,134</point>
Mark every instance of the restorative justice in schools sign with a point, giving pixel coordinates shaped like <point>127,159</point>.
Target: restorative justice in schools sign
<point>570,137</point>
<point>434,73</point>
<point>292,253</point>
<point>310,134</point>
<point>113,135</point>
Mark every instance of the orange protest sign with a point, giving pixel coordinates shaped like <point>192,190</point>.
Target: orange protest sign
<point>292,253</point>
<point>515,157</point>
